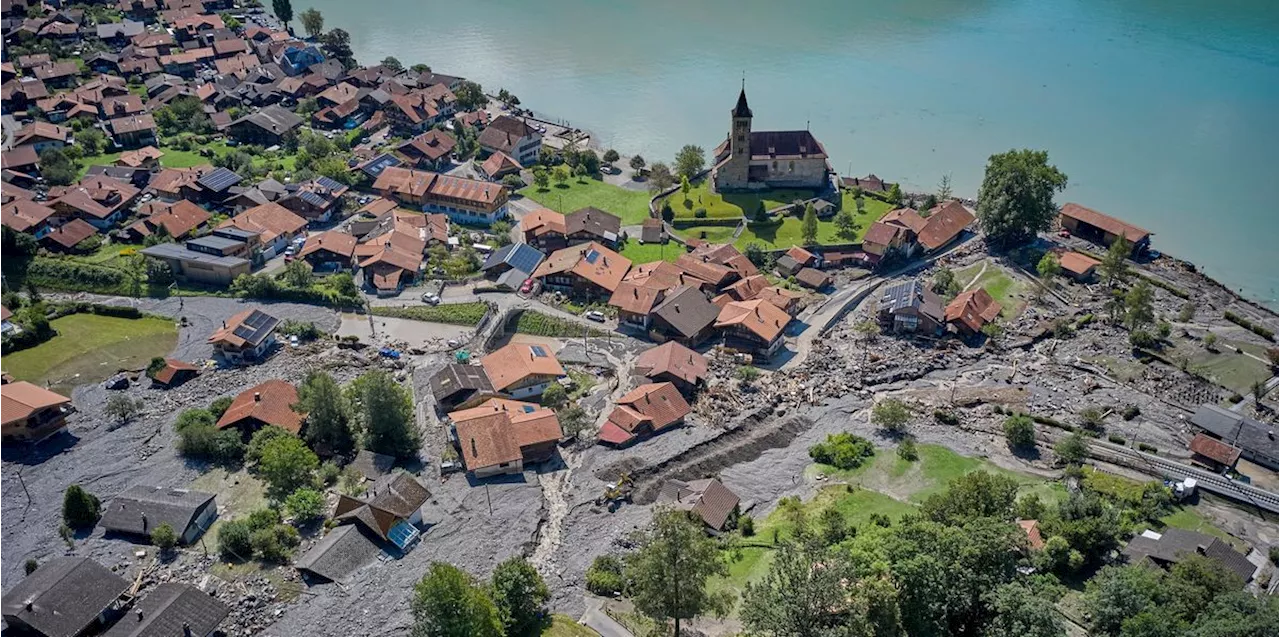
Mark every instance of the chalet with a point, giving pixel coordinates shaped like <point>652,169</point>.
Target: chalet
<point>945,223</point>
<point>644,411</point>
<point>1174,545</point>
<point>910,307</point>
<point>66,597</point>
<point>141,508</point>
<point>702,267</point>
<point>585,271</point>
<point>708,499</point>
<point>24,215</point>
<point>275,225</point>
<point>756,327</point>
<point>684,315</point>
<point>870,183</point>
<point>31,413</point>
<point>813,279</point>
<point>652,231</point>
<point>99,200</point>
<point>510,265</point>
<point>1031,528</point>
<point>42,135</point>
<point>673,363</point>
<point>145,157</point>
<point>428,151</point>
<point>121,106</point>
<point>1256,440</point>
<point>970,311</point>
<point>329,251</point>
<point>295,59</point>
<point>266,127</point>
<point>174,373</point>
<point>268,404</point>
<point>245,338</point>
<point>191,27</point>
<point>1080,267</point>
<point>665,276</point>
<point>20,93</point>
<point>59,74</point>
<point>133,131</point>
<point>390,269</point>
<point>391,510</point>
<point>635,303</point>
<point>742,290</point>
<point>118,34</point>
<point>457,386</point>
<point>787,300</point>
<point>67,236</point>
<point>521,370</point>
<point>414,112</point>
<point>316,200</point>
<point>178,220</point>
<point>23,159</point>
<point>543,229</point>
<point>1091,225</point>
<point>499,165</point>
<point>463,200</point>
<point>342,551</point>
<point>504,436</point>
<point>513,137</point>
<point>724,254</point>
<point>230,47</point>
<point>475,119</point>
<point>171,604</point>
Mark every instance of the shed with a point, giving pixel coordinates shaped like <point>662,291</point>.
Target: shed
<point>338,554</point>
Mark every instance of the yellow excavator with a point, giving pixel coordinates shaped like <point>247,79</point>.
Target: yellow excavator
<point>616,492</point>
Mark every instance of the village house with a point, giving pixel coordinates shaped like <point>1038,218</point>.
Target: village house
<point>245,338</point>
<point>145,157</point>
<point>635,303</point>
<point>64,597</point>
<point>592,224</point>
<point>521,370</point>
<point>512,137</point>
<point>31,413</point>
<point>266,127</point>
<point>391,509</point>
<point>390,269</point>
<point>268,404</point>
<point>67,237</point>
<point>316,200</point>
<point>23,159</point>
<point>757,160</point>
<point>786,300</point>
<point>756,327</point>
<point>174,373</point>
<point>428,151</point>
<point>511,265</point>
<point>42,135</point>
<point>684,315</point>
<point>870,183</point>
<point>708,499</point>
<point>275,225</point>
<point>589,271</point>
<point>99,200</point>
<point>497,166</point>
<point>1173,545</point>
<point>795,259</point>
<point>910,307</point>
<point>970,311</point>
<point>457,386</point>
<point>673,363</point>
<point>330,251</point>
<point>945,223</point>
<point>1255,439</point>
<point>504,436</point>
<point>193,611</point>
<point>1091,225</point>
<point>813,279</point>
<point>133,131</point>
<point>142,508</point>
<point>178,220</point>
<point>209,260</point>
<point>466,201</point>
<point>644,411</point>
<point>24,215</point>
<point>1080,267</point>
<point>1212,454</point>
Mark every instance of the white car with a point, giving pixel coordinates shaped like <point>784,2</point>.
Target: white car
<point>595,315</point>
<point>431,298</point>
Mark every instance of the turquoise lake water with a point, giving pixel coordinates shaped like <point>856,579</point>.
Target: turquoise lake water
<point>1161,113</point>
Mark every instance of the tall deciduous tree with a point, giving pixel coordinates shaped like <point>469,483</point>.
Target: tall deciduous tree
<point>283,10</point>
<point>447,603</point>
<point>286,464</point>
<point>470,96</point>
<point>392,64</point>
<point>337,45</point>
<point>660,177</point>
<point>1015,200</point>
<point>976,495</point>
<point>1139,308</point>
<point>669,569</point>
<point>521,597</point>
<point>385,410</point>
<point>809,226</point>
<point>80,509</point>
<point>1023,611</point>
<point>328,414</point>
<point>637,162</point>
<point>690,161</point>
<point>312,22</point>
<point>799,599</point>
<point>1115,268</point>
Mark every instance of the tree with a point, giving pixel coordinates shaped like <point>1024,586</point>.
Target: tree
<point>447,603</point>
<point>974,495</point>
<point>91,140</point>
<point>1020,431</point>
<point>420,68</point>
<point>604,576</point>
<point>846,226</point>
<point>1073,449</point>
<point>637,162</point>
<point>891,415</point>
<point>842,451</point>
<point>1091,418</point>
<point>183,115</point>
<point>164,537</point>
<point>1139,309</point>
<point>660,177</point>
<point>945,283</point>
<point>1022,611</point>
<point>560,174</point>
<point>30,566</point>
<point>286,466</point>
<point>1048,267</point>
<point>328,414</point>
<point>797,599</point>
<point>392,64</point>
<point>590,161</point>
<point>122,408</point>
<point>80,509</point>
<point>297,274</point>
<point>337,45</point>
<point>927,206</point>
<point>685,187</point>
<point>669,569</point>
<point>944,188</point>
<point>305,505</point>
<point>573,419</point>
<point>907,449</point>
<point>690,161</point>
<point>1015,200</point>
<point>611,156</point>
<point>234,542</point>
<point>809,226</point>
<point>312,22</point>
<point>283,10</point>
<point>385,410</point>
<point>470,96</point>
<point>56,167</point>
<point>1115,267</point>
<point>540,178</point>
<point>895,195</point>
<point>580,171</point>
<point>554,395</point>
<point>520,596</point>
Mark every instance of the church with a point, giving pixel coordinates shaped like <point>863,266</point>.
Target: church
<point>760,160</point>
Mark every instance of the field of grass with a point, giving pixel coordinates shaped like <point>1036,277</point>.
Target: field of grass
<point>90,348</point>
<point>539,324</point>
<point>730,206</point>
<point>787,232</point>
<point>1236,372</point>
<point>239,494</point>
<point>1187,518</point>
<point>631,205</point>
<point>650,252</point>
<point>565,626</point>
<point>451,313</point>
<point>1009,293</point>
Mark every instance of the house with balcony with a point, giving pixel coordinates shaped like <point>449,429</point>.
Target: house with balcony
<point>522,370</point>
<point>465,201</point>
<point>31,413</point>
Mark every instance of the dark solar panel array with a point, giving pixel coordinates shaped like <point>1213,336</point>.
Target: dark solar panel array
<point>329,183</point>
<point>381,163</point>
<point>256,326</point>
<point>312,198</point>
<point>524,257</point>
<point>592,256</point>
<point>220,179</point>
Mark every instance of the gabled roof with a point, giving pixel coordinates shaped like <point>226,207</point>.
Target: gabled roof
<point>271,402</point>
<point>747,289</point>
<point>455,377</point>
<point>911,293</point>
<point>270,220</point>
<point>906,218</point>
<point>703,268</point>
<point>728,256</point>
<point>686,310</point>
<point>509,365</point>
<point>181,218</point>
<point>64,596</point>
<point>171,368</point>
<point>674,359</point>
<point>1032,529</point>
<point>659,404</point>
<point>142,508</point>
<point>250,327</point>
<point>1077,263</point>
<point>273,119</point>
<point>486,441</point>
<point>334,241</point>
<point>1235,429</point>
<point>499,164</point>
<point>635,299</point>
<point>20,399</point>
<point>709,499</point>
<point>779,296</point>
<point>171,610</point>
<point>71,233</point>
<point>974,309</point>
<point>520,256</point>
<point>339,553</point>
<point>1214,449</point>
<point>24,214</point>
<point>761,318</point>
<point>433,144</point>
<point>593,221</point>
<point>542,221</point>
<point>591,261</point>
<point>1106,223</point>
<point>946,221</point>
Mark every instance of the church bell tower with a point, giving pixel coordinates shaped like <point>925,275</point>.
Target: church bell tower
<point>733,173</point>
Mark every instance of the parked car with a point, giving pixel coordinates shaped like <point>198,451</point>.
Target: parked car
<point>431,298</point>
<point>595,315</point>
<point>527,286</point>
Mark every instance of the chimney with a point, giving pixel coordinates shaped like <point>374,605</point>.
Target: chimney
<point>186,630</point>
<point>224,324</point>
<point>257,397</point>
<point>635,292</point>
<point>473,448</point>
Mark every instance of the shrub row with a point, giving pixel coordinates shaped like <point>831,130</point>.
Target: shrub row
<point>64,274</point>
<point>1142,446</point>
<point>1249,325</point>
<point>1176,291</point>
<point>468,314</point>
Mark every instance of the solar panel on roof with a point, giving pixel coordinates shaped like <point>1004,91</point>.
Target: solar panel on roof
<point>592,256</point>
<point>524,257</point>
<point>329,183</point>
<point>381,163</point>
<point>220,179</point>
<point>312,198</point>
<point>538,351</point>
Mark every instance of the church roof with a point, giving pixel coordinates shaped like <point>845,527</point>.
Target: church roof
<point>793,144</point>
<point>741,109</point>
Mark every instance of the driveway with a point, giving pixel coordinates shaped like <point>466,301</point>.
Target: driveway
<point>596,619</point>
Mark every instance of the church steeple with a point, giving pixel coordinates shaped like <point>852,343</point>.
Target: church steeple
<point>741,109</point>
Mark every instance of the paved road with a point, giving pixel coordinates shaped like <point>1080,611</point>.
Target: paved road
<point>596,619</point>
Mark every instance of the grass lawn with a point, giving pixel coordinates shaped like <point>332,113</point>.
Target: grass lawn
<point>710,234</point>
<point>451,313</point>
<point>650,252</point>
<point>1009,293</point>
<point>733,205</point>
<point>631,205</point>
<point>787,232</point>
<point>1187,518</point>
<point>539,324</point>
<point>565,626</point>
<point>239,494</point>
<point>1236,372</point>
<point>90,348</point>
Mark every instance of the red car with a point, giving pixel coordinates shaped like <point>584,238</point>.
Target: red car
<point>527,286</point>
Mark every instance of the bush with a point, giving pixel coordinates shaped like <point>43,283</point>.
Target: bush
<point>1249,325</point>
<point>31,565</point>
<point>220,406</point>
<point>304,330</point>
<point>747,373</point>
<point>1020,431</point>
<point>275,543</point>
<point>1142,446</point>
<point>305,505</point>
<point>1130,412</point>
<point>1142,339</point>
<point>1091,418</point>
<point>554,395</point>
<point>907,449</point>
<point>329,472</point>
<point>234,541</point>
<point>263,518</point>
<point>747,525</point>
<point>1114,439</point>
<point>948,417</point>
<point>605,576</point>
<point>122,408</point>
<point>1073,449</point>
<point>164,537</point>
<point>259,440</point>
<point>80,509</point>
<point>891,415</point>
<point>842,451</point>
<point>200,440</point>
<point>700,213</point>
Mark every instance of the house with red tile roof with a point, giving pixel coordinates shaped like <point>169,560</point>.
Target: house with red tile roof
<point>708,499</point>
<point>24,215</point>
<point>67,236</point>
<point>970,311</point>
<point>31,413</point>
<point>522,370</point>
<point>513,137</point>
<point>268,404</point>
<point>756,327</point>
<point>464,200</point>
<point>390,269</point>
<point>178,220</point>
<point>246,337</point>
<point>428,151</point>
<point>1080,267</point>
<point>1212,453</point>
<point>584,271</point>
<point>174,373</point>
<point>644,411</point>
<point>332,250</point>
<point>944,224</point>
<point>1091,225</point>
<point>504,436</point>
<point>673,363</point>
<point>499,165</point>
<point>276,226</point>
